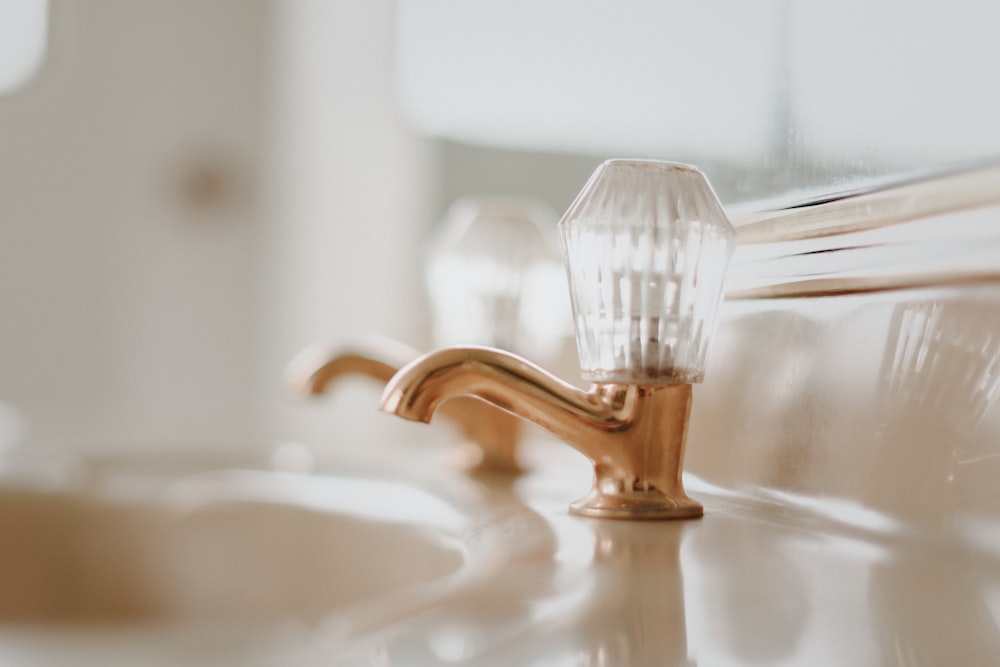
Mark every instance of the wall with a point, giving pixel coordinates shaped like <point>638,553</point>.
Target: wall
<point>352,193</point>
<point>189,193</point>
<point>128,224</point>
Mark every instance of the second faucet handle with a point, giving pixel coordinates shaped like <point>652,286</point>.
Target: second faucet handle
<point>495,278</point>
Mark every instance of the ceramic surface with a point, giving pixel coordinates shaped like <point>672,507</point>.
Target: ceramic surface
<point>845,449</point>
<point>495,572</point>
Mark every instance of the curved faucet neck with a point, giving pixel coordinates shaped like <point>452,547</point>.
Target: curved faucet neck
<point>318,366</point>
<point>633,434</point>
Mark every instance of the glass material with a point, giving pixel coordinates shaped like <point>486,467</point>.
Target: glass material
<point>494,278</point>
<point>647,246</point>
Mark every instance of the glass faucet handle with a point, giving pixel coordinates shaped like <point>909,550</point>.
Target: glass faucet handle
<point>646,244</point>
<point>494,277</point>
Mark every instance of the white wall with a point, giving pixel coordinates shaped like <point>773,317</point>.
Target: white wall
<point>125,305</point>
<point>353,189</point>
<point>189,192</point>
<point>766,97</point>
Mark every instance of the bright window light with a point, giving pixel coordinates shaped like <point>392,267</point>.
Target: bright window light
<point>23,39</point>
<point>586,76</point>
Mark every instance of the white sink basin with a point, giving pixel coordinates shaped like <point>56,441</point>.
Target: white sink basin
<point>231,547</point>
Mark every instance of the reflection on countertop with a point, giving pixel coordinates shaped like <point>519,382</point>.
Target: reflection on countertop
<point>751,583</point>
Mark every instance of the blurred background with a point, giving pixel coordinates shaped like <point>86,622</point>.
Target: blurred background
<point>192,191</point>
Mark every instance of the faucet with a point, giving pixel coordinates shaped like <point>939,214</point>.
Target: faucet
<point>646,245</point>
<point>491,436</point>
<point>487,264</point>
<point>633,434</point>
<point>318,366</point>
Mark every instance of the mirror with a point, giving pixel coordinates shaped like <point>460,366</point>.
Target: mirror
<point>768,98</point>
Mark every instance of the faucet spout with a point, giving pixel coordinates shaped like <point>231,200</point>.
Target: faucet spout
<point>317,367</point>
<point>633,434</point>
<point>491,437</point>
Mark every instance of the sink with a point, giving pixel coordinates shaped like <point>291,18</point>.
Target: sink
<point>243,567</point>
<point>424,567</point>
<point>237,545</point>
<point>160,565</point>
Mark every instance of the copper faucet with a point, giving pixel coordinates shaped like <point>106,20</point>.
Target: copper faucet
<point>491,436</point>
<point>488,259</point>
<point>646,245</point>
<point>633,434</point>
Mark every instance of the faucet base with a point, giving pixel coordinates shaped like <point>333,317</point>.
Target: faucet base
<point>650,506</point>
<point>632,434</point>
<point>470,458</point>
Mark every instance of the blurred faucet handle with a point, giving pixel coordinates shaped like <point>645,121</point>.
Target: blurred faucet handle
<point>494,277</point>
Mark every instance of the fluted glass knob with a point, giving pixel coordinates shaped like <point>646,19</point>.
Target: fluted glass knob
<point>494,277</point>
<point>647,245</point>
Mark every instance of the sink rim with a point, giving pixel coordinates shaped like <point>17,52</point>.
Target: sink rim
<point>440,530</point>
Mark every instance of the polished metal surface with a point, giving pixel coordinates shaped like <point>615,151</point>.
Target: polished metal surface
<point>633,434</point>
